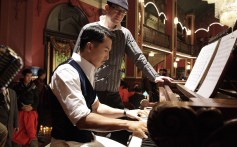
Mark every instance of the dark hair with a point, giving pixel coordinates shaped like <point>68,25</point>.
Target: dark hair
<point>95,34</point>
<point>137,89</point>
<point>26,71</point>
<point>124,84</point>
<point>41,72</point>
<point>173,125</point>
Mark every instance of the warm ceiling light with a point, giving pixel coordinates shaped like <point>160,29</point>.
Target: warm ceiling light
<point>188,32</point>
<point>175,64</point>
<point>159,13</point>
<point>225,10</point>
<point>176,20</point>
<point>208,28</point>
<point>188,67</point>
<point>228,16</point>
<point>211,1</point>
<point>151,54</point>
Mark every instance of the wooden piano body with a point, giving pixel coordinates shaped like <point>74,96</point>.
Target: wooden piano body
<point>227,107</point>
<point>221,96</point>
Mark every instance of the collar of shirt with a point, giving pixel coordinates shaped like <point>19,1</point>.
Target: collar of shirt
<point>86,66</point>
<point>102,23</point>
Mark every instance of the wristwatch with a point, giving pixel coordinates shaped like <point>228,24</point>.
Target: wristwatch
<point>125,111</point>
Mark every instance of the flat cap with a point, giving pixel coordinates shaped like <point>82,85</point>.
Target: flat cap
<point>121,3</point>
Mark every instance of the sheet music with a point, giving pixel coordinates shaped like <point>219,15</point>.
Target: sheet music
<point>223,53</point>
<point>200,66</point>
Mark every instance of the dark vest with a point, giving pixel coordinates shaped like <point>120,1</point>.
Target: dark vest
<point>63,129</point>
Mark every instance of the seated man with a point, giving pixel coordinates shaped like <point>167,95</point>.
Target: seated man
<point>75,106</point>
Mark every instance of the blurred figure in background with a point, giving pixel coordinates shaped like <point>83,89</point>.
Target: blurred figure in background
<point>9,112</point>
<point>40,83</point>
<point>136,98</point>
<point>123,91</point>
<point>42,106</point>
<point>3,135</point>
<point>28,99</point>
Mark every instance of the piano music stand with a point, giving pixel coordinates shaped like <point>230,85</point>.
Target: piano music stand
<point>217,71</point>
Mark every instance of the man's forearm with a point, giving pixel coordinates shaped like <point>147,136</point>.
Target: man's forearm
<point>96,122</point>
<point>99,123</point>
<point>109,111</point>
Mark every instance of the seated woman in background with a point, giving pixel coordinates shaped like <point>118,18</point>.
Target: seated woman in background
<point>123,91</point>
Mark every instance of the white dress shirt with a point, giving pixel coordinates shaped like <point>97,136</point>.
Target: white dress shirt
<point>66,86</point>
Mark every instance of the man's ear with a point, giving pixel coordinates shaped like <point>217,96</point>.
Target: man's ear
<point>106,7</point>
<point>89,46</point>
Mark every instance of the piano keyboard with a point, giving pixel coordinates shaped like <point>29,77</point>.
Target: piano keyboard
<point>135,142</point>
<point>138,142</point>
<point>148,143</point>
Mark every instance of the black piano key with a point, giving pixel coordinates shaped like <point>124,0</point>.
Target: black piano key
<point>148,143</point>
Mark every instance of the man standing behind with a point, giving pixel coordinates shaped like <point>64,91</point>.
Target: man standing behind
<point>76,110</point>
<point>107,78</point>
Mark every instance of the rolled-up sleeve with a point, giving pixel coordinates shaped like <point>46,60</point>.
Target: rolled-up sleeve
<point>67,88</point>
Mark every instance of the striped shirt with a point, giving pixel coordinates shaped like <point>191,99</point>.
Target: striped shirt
<point>107,77</point>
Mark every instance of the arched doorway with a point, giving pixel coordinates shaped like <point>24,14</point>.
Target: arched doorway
<point>62,28</point>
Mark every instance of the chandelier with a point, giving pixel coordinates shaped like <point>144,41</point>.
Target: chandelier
<point>225,10</point>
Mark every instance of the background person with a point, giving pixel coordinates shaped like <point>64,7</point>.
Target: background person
<point>136,98</point>
<point>9,112</point>
<point>28,99</point>
<point>43,108</point>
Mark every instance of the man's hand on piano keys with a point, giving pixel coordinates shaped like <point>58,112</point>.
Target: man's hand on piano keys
<point>138,128</point>
<point>137,114</point>
<point>145,103</point>
<point>162,79</point>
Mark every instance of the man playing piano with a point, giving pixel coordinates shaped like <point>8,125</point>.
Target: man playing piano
<point>75,106</point>
<point>107,78</point>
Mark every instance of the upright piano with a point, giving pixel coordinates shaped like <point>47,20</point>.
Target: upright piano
<point>212,84</point>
